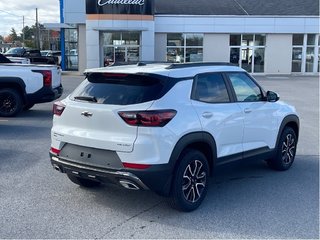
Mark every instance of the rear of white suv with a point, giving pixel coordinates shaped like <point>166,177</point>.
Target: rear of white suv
<point>164,127</point>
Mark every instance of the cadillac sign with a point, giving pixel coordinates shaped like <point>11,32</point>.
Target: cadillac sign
<point>142,7</point>
<point>123,2</point>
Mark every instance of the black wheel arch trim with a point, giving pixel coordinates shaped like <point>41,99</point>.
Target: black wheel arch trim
<point>15,82</point>
<point>290,120</point>
<point>201,141</point>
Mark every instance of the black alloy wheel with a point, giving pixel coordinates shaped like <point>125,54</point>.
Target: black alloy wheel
<point>190,182</point>
<point>286,151</point>
<point>10,102</point>
<point>194,181</point>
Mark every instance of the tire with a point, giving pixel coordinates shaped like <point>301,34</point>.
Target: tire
<point>28,106</point>
<point>83,181</point>
<point>190,182</point>
<point>10,102</point>
<point>286,151</point>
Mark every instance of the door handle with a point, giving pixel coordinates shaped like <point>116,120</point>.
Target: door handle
<point>207,114</point>
<point>247,110</point>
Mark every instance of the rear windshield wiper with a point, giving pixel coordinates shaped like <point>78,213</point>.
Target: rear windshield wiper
<point>85,98</point>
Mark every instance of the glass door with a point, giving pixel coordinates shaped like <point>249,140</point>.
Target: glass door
<point>246,58</point>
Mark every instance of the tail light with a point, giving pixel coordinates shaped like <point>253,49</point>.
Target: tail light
<point>58,108</point>
<point>54,150</point>
<point>158,118</point>
<point>47,77</point>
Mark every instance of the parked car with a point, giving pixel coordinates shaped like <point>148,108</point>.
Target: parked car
<point>44,52</point>
<point>54,53</point>
<point>33,54</point>
<point>23,85</point>
<point>20,60</point>
<point>165,127</point>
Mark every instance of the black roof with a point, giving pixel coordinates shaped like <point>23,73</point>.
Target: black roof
<point>238,7</point>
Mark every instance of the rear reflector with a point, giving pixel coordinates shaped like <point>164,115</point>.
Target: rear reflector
<point>55,151</point>
<point>136,166</point>
<point>58,108</point>
<point>157,118</point>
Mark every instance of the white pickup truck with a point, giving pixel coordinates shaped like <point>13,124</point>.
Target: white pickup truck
<point>23,85</point>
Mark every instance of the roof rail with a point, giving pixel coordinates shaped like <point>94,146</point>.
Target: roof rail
<point>144,63</point>
<point>139,63</point>
<point>174,65</point>
<point>198,64</point>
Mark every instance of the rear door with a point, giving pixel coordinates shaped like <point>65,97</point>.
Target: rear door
<point>218,115</point>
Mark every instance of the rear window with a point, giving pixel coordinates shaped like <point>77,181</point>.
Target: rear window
<point>119,89</point>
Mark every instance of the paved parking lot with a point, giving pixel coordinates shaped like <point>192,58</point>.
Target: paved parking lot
<point>244,200</point>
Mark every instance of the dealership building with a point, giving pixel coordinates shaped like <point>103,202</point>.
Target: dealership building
<point>263,37</point>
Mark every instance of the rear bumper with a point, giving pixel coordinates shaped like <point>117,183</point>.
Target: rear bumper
<point>156,178</point>
<point>45,94</point>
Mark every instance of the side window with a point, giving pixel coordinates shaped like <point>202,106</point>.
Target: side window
<point>210,88</point>
<point>246,90</point>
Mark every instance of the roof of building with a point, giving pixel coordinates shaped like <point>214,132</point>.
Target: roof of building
<point>238,7</point>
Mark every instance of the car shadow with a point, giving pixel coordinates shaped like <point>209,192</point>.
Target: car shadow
<point>241,200</point>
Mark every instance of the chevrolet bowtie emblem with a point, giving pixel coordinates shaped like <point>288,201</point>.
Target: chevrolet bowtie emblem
<point>86,114</point>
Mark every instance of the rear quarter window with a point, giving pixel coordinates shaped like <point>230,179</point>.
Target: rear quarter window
<point>120,89</point>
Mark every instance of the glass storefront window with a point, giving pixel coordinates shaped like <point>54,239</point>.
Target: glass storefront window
<point>246,59</point>
<point>318,54</point>
<point>194,40</point>
<point>305,52</point>
<point>131,38</point>
<point>235,55</point>
<point>250,51</point>
<point>132,54</point>
<point>297,39</point>
<point>108,55</point>
<point>121,47</point>
<point>71,35</point>
<point>71,49</point>
<point>107,39</point>
<point>247,40</point>
<point>260,40</point>
<point>235,40</point>
<point>175,55</point>
<point>184,47</point>
<point>296,59</point>
<point>175,39</point>
<point>318,60</point>
<point>309,59</point>
<point>311,38</point>
<point>259,60</point>
<point>194,55</point>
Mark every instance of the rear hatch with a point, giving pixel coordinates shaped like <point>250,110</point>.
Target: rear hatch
<point>91,115</point>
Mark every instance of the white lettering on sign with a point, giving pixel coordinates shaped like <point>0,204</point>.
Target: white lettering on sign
<point>122,2</point>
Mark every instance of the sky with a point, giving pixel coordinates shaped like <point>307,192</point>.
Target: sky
<point>12,12</point>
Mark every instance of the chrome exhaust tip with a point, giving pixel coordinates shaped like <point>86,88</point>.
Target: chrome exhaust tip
<point>56,167</point>
<point>129,185</point>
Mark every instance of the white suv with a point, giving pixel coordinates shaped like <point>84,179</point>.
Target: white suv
<point>165,127</point>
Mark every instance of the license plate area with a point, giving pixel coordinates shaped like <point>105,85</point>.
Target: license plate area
<point>91,156</point>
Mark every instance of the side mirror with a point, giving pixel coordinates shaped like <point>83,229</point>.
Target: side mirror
<point>272,96</point>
